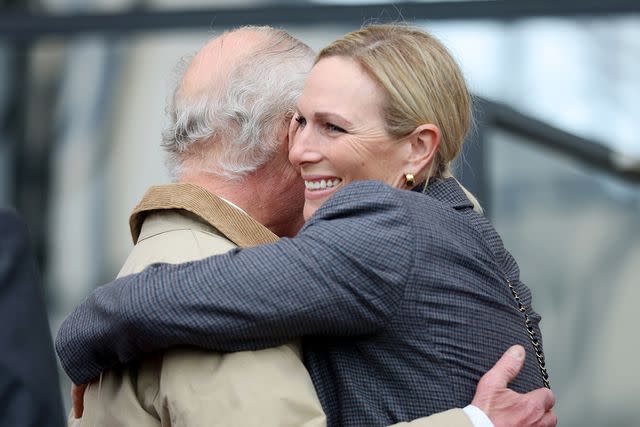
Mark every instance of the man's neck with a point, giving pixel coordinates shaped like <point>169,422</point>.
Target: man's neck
<point>248,194</point>
<point>232,191</point>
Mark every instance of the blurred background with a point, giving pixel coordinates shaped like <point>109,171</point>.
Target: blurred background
<point>554,156</point>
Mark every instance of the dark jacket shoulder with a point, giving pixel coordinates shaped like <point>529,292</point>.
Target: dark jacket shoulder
<point>28,374</point>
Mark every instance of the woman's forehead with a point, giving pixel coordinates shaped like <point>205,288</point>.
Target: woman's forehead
<point>338,84</point>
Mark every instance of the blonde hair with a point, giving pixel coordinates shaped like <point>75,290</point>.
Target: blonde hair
<point>422,83</point>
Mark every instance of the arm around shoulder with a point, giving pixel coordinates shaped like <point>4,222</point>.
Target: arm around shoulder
<point>335,278</point>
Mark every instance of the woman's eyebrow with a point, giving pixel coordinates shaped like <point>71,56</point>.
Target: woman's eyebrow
<point>321,115</point>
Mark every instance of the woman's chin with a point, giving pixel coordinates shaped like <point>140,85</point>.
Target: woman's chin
<point>310,207</point>
<point>313,199</point>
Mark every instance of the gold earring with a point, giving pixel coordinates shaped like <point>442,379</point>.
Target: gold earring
<point>409,178</point>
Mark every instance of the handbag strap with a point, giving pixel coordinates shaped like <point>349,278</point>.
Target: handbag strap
<point>532,334</point>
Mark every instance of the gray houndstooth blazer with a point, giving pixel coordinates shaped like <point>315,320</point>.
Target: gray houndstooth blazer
<point>400,297</point>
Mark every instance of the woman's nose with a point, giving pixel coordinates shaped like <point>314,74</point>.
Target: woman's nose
<point>302,148</point>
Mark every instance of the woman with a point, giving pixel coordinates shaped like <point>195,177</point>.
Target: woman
<point>403,299</point>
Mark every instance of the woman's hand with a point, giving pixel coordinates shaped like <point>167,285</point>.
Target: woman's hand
<point>77,399</point>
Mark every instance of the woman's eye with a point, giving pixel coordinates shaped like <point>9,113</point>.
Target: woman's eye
<point>301,120</point>
<point>333,128</point>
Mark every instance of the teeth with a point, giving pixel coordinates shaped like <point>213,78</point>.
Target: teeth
<point>322,184</point>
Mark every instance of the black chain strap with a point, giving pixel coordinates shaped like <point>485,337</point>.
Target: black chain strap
<point>532,334</point>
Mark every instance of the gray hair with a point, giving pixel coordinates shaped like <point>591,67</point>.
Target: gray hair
<point>243,119</point>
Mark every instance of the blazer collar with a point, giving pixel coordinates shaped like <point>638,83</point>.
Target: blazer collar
<point>234,224</point>
<point>446,190</point>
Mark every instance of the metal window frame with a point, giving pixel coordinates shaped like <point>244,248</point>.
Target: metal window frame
<point>28,26</point>
<point>475,163</point>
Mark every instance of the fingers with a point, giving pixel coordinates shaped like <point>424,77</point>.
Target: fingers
<point>77,399</point>
<point>542,399</point>
<point>549,420</point>
<point>507,368</point>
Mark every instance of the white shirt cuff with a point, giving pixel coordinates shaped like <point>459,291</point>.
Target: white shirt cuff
<point>478,418</point>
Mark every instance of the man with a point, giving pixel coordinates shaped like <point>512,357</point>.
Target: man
<point>229,137</point>
<point>243,161</point>
<point>28,378</point>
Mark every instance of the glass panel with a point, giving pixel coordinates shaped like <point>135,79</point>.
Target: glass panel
<point>576,74</point>
<point>576,236</point>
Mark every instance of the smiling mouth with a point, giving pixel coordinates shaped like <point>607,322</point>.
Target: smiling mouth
<point>322,184</point>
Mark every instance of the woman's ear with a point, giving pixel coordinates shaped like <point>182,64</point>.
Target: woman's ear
<point>424,142</point>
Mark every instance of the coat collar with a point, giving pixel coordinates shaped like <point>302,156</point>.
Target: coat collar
<point>446,190</point>
<point>234,224</point>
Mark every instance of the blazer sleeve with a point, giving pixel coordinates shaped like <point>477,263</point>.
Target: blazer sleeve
<point>344,274</point>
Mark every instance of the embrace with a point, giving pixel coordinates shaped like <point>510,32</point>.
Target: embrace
<point>315,262</point>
